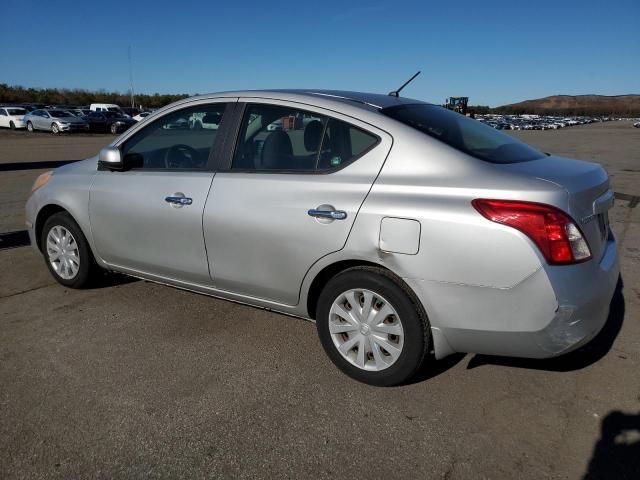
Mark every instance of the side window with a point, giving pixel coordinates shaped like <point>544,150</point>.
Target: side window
<point>275,138</point>
<point>278,138</point>
<point>342,143</point>
<point>179,140</point>
<point>3,112</point>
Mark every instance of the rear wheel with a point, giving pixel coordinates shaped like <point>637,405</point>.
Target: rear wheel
<point>30,126</point>
<point>66,251</point>
<point>372,326</point>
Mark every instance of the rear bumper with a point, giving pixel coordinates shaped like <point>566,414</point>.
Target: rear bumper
<point>553,311</point>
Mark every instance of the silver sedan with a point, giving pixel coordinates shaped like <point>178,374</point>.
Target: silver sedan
<point>406,231</point>
<point>55,121</point>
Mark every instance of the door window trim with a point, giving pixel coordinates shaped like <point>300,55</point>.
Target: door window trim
<point>243,106</point>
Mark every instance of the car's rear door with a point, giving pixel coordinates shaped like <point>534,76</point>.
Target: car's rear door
<point>265,222</point>
<point>149,219</point>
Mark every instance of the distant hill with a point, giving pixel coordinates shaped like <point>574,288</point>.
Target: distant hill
<point>624,105</point>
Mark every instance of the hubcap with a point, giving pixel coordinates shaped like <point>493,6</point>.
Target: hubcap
<point>366,329</point>
<point>62,251</point>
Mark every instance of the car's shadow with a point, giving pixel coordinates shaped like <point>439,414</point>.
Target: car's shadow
<point>111,279</point>
<point>576,360</point>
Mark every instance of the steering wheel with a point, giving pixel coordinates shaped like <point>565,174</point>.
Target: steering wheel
<point>182,156</point>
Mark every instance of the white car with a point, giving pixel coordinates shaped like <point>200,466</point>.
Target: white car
<point>141,116</point>
<point>200,120</point>
<point>12,117</point>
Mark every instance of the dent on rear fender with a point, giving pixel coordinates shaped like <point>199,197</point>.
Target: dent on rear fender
<point>527,307</point>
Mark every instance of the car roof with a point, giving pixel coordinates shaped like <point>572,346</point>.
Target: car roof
<point>368,101</point>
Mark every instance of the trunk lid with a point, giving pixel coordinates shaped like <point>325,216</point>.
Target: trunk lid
<point>589,195</point>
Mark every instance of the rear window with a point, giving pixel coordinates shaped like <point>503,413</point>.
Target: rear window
<point>463,133</point>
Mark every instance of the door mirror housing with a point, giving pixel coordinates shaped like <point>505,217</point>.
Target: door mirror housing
<point>110,158</point>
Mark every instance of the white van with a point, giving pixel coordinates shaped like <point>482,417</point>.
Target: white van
<point>104,107</point>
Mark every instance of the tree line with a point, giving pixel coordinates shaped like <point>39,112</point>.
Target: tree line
<point>77,96</point>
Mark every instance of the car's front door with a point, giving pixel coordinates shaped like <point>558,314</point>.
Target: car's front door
<point>37,119</point>
<point>149,219</point>
<point>268,218</point>
<point>44,121</point>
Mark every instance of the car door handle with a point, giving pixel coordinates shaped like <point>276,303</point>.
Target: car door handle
<point>330,214</point>
<point>179,200</point>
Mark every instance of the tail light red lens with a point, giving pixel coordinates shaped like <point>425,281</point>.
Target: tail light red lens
<point>553,231</point>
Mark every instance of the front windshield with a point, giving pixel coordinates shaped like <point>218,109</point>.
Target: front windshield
<point>113,109</point>
<point>16,111</point>
<point>463,133</point>
<point>112,115</point>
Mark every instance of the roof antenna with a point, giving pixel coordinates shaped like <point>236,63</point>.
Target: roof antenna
<point>396,93</point>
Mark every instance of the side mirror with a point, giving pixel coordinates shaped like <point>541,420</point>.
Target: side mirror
<point>110,158</point>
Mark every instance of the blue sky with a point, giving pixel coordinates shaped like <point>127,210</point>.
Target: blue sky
<point>494,52</point>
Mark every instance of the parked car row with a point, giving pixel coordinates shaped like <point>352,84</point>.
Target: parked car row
<point>107,118</point>
<point>535,122</point>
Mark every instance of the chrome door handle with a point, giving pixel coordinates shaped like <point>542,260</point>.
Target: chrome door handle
<point>179,200</point>
<point>330,214</point>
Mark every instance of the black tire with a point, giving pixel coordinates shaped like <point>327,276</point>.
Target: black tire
<point>411,313</point>
<point>87,268</point>
<point>30,126</point>
<point>12,125</point>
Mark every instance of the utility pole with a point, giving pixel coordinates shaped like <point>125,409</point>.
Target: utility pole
<point>133,103</point>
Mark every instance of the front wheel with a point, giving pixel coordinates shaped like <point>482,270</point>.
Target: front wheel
<point>12,125</point>
<point>67,252</point>
<point>30,126</point>
<point>54,128</point>
<point>114,128</point>
<point>372,326</point>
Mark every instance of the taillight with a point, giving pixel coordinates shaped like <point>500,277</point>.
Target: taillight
<point>553,231</point>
